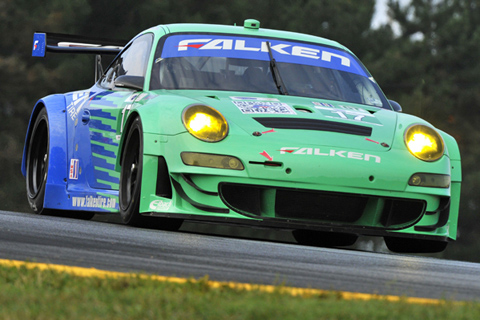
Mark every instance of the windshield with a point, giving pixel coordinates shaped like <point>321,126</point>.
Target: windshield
<point>211,62</point>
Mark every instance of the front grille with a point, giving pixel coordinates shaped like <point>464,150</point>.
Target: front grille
<point>322,207</point>
<point>396,212</point>
<point>314,124</point>
<point>315,206</point>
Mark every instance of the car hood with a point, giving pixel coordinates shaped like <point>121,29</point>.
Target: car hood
<point>299,121</point>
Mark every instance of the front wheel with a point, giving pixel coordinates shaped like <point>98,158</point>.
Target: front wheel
<point>131,175</point>
<point>131,181</point>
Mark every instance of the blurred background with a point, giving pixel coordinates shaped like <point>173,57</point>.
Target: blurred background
<point>423,53</point>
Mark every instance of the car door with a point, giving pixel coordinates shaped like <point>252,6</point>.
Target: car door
<point>99,112</point>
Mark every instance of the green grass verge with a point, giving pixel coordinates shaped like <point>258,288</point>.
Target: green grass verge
<point>27,293</point>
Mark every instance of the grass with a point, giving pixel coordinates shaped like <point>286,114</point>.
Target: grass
<point>31,293</point>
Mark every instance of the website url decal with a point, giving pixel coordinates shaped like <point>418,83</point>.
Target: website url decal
<point>94,202</point>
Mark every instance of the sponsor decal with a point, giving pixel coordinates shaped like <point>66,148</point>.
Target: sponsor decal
<point>256,45</point>
<point>99,202</point>
<point>266,107</point>
<point>266,155</point>
<point>254,98</point>
<point>160,205</point>
<point>39,44</point>
<point>256,49</point>
<point>78,100</point>
<point>331,153</point>
<point>74,165</point>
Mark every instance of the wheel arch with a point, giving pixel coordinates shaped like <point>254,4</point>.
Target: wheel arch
<point>452,146</point>
<point>33,117</point>
<point>456,180</point>
<point>55,190</point>
<point>128,124</point>
<point>56,111</point>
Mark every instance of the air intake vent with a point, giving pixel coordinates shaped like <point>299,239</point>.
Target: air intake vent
<point>313,124</point>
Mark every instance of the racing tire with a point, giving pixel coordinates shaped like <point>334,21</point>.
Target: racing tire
<point>131,181</point>
<point>324,239</point>
<point>37,163</point>
<point>405,245</point>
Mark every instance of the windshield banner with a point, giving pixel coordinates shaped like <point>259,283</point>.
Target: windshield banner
<point>188,45</point>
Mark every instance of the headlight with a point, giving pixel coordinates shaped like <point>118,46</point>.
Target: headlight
<point>424,142</point>
<point>205,123</point>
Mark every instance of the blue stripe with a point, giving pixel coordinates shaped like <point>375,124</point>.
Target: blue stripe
<point>99,185</point>
<point>99,162</point>
<point>99,137</point>
<point>101,114</point>
<point>97,124</point>
<point>102,95</point>
<point>101,150</point>
<point>102,175</point>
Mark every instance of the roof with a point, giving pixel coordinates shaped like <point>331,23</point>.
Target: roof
<point>246,31</point>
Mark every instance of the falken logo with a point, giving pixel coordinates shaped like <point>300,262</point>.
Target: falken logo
<point>281,48</point>
<point>331,153</point>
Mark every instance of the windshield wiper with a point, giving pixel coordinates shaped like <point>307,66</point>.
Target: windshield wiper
<point>276,73</point>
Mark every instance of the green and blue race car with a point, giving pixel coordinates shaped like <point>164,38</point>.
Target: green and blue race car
<point>242,125</point>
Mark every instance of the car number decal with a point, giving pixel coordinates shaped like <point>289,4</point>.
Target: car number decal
<point>346,113</point>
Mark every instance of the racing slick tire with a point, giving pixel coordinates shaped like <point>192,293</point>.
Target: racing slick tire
<point>405,245</point>
<point>324,239</point>
<point>131,181</point>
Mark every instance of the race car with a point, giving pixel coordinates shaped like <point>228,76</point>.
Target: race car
<point>241,125</point>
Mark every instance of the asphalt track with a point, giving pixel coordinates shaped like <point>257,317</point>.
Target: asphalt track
<point>114,247</point>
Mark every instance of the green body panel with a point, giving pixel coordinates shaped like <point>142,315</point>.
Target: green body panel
<point>377,168</point>
<point>307,170</point>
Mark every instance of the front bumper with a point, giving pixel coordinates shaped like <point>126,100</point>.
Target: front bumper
<point>330,193</point>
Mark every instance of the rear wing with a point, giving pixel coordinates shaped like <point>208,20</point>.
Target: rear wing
<point>64,43</point>
<point>44,42</point>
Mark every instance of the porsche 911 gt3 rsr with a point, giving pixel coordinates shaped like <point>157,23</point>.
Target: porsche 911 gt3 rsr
<point>242,125</point>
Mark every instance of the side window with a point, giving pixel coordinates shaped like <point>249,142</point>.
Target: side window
<point>132,61</point>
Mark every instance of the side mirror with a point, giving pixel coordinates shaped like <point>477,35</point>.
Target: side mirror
<point>395,105</point>
<point>130,82</point>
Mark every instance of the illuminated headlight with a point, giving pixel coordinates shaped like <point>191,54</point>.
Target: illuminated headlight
<point>424,142</point>
<point>211,161</point>
<point>205,123</point>
<point>430,180</point>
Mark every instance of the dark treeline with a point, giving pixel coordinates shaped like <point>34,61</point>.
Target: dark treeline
<point>426,59</point>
